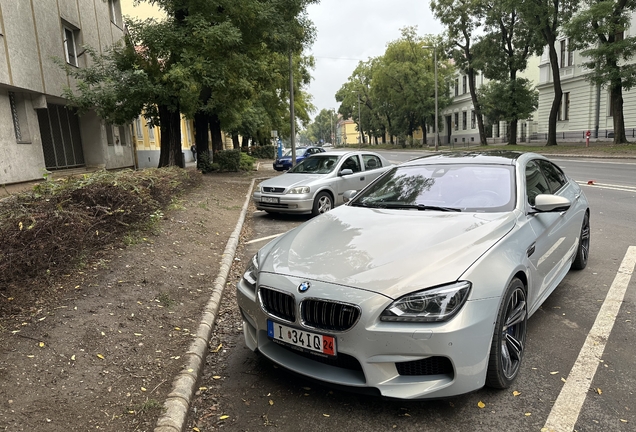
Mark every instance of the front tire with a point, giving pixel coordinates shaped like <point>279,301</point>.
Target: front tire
<point>322,203</point>
<point>583,251</point>
<point>509,339</point>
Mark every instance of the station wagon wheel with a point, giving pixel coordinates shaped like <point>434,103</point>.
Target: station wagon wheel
<point>583,251</point>
<point>322,203</point>
<point>509,339</point>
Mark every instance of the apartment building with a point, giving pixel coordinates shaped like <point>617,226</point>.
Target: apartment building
<point>38,132</point>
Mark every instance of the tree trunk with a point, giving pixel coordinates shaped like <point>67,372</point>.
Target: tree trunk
<point>171,153</point>
<point>244,141</point>
<point>558,91</point>
<point>618,118</point>
<point>512,132</point>
<point>215,128</point>
<point>235,141</point>
<point>201,135</point>
<point>476,106</point>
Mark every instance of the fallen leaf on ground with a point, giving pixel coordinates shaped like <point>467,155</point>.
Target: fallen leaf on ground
<point>223,417</point>
<point>143,389</point>
<point>100,356</point>
<point>217,348</point>
<point>562,379</point>
<point>271,402</point>
<point>516,393</point>
<point>325,415</point>
<point>480,404</point>
<point>73,357</point>
<point>41,344</point>
<point>216,377</point>
<point>527,414</point>
<point>599,391</point>
<point>554,373</point>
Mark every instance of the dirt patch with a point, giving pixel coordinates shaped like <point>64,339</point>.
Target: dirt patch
<point>98,348</point>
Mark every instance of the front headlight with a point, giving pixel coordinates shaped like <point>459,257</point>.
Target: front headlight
<point>251,272</point>
<point>299,190</point>
<point>430,305</point>
<point>257,188</point>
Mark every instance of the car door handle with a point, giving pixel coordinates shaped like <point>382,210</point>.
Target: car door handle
<point>361,178</point>
<point>531,249</point>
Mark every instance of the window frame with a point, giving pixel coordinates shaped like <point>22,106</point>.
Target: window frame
<point>464,120</point>
<point>472,119</point>
<point>456,86</point>
<point>464,84</point>
<point>74,33</point>
<point>456,119</point>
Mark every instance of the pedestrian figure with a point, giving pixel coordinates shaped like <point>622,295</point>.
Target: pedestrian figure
<point>194,152</point>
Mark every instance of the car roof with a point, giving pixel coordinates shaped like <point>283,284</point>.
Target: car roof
<point>493,157</point>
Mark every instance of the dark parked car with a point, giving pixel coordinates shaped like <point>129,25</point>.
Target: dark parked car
<point>284,163</point>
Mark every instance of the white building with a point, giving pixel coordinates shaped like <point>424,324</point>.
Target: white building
<point>459,127</point>
<point>37,131</point>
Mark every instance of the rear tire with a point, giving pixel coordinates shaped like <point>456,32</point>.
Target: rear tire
<point>322,203</point>
<point>583,251</point>
<point>509,339</point>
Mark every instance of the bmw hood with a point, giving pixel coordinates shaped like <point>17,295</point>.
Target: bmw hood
<point>290,180</point>
<point>391,252</point>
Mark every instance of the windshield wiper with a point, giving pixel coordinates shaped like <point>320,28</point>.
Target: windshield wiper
<point>421,207</point>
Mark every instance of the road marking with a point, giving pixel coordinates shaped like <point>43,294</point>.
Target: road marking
<point>568,405</point>
<point>263,238</point>
<point>608,186</point>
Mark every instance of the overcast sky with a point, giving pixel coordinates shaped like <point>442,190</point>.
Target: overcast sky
<point>352,30</point>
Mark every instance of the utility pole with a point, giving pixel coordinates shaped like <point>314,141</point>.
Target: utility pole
<point>359,122</point>
<point>292,117</point>
<point>436,121</point>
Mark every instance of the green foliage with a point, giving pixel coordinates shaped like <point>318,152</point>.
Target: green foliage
<point>508,100</point>
<point>206,165</point>
<point>228,160</point>
<point>264,152</point>
<point>323,126</point>
<point>247,162</point>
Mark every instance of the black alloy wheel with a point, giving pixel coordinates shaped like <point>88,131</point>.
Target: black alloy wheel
<point>583,251</point>
<point>509,339</point>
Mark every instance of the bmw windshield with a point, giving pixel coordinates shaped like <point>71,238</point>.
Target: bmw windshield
<point>478,188</point>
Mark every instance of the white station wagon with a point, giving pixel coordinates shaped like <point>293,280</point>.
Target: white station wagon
<point>316,185</point>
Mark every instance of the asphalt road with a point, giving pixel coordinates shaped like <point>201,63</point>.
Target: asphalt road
<point>555,354</point>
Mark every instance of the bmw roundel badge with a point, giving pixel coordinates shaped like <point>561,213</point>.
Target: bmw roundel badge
<point>304,287</point>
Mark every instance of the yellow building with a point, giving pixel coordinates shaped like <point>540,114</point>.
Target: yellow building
<point>347,133</point>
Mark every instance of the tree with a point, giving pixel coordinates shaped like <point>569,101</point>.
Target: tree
<point>509,101</point>
<point>599,31</point>
<point>322,128</point>
<point>545,17</point>
<point>207,61</point>
<point>504,51</point>
<point>462,20</point>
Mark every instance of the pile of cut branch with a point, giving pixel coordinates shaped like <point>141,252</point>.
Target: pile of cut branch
<point>48,230</point>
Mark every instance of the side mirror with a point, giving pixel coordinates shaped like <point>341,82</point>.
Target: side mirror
<point>551,203</point>
<point>345,172</point>
<point>348,195</point>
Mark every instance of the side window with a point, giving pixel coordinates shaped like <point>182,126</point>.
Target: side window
<point>536,183</point>
<point>371,162</point>
<point>352,163</point>
<point>554,175</point>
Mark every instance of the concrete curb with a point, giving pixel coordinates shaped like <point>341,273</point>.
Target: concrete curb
<point>184,386</point>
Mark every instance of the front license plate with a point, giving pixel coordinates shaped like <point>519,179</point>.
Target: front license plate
<point>272,200</point>
<point>301,338</point>
<point>279,165</point>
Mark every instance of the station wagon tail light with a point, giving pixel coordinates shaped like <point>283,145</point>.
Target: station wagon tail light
<point>299,190</point>
<point>251,272</point>
<point>430,305</point>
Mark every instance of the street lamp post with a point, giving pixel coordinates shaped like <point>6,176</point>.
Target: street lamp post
<point>359,122</point>
<point>436,121</point>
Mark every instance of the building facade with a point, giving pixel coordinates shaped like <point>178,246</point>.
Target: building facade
<point>458,124</point>
<point>38,132</point>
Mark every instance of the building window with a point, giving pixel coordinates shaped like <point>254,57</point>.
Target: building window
<point>110,139</point>
<point>472,119</point>
<point>138,129</point>
<point>456,121</point>
<point>456,86</point>
<point>567,56</point>
<point>464,84</point>
<point>566,106</point>
<point>122,136</point>
<point>114,10</point>
<point>464,115</point>
<point>70,45</point>
<point>151,133</point>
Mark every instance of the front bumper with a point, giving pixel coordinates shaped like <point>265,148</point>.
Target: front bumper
<point>391,357</point>
<point>286,203</point>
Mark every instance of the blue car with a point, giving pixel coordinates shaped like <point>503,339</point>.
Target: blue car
<point>284,163</point>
